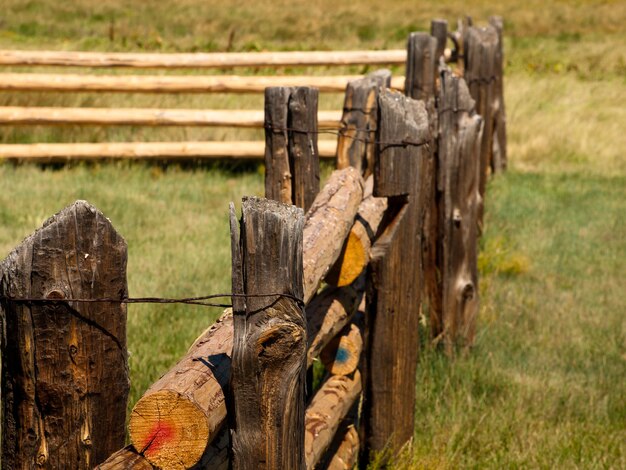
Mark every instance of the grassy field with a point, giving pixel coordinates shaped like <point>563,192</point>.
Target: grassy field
<point>545,386</point>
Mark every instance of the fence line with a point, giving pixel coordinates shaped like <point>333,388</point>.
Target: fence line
<point>173,84</point>
<point>200,59</point>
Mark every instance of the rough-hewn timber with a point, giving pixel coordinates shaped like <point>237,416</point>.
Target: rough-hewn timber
<point>64,365</point>
<point>268,372</point>
<point>355,146</point>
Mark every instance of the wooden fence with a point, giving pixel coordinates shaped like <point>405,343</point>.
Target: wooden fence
<point>337,276</point>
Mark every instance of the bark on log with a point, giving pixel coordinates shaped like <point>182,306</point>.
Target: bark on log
<point>329,406</point>
<point>481,76</point>
<point>327,314</point>
<point>347,453</point>
<point>199,59</point>
<point>278,176</point>
<point>328,223</point>
<point>145,150</point>
<point>64,365</point>
<point>185,409</point>
<point>355,145</point>
<point>268,372</point>
<point>460,139</point>
<point>16,115</point>
<point>499,161</point>
<point>390,390</point>
<point>342,355</point>
<point>355,254</point>
<point>173,84</point>
<point>128,459</point>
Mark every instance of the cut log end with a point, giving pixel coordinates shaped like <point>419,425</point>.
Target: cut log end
<point>169,430</point>
<point>351,262</point>
<point>341,356</point>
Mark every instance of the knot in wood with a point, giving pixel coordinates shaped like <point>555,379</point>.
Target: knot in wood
<point>55,294</point>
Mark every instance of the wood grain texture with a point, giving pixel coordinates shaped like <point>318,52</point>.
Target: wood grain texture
<point>19,82</point>
<point>64,366</point>
<point>199,59</point>
<point>347,453</point>
<point>18,115</point>
<point>329,407</point>
<point>355,145</point>
<point>393,319</point>
<point>439,30</point>
<point>278,176</point>
<point>481,50</point>
<point>460,138</point>
<point>424,55</point>
<point>268,372</point>
<point>128,459</point>
<point>328,223</point>
<point>303,152</point>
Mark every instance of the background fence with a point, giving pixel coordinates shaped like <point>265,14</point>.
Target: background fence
<point>391,236</point>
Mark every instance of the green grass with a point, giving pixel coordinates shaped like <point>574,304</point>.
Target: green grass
<point>545,385</point>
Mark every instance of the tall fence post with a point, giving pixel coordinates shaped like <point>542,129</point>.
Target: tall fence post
<point>64,364</point>
<point>355,145</point>
<point>269,344</point>
<point>499,161</point>
<point>459,150</point>
<point>291,153</point>
<point>480,49</point>
<point>402,147</point>
<point>423,55</point>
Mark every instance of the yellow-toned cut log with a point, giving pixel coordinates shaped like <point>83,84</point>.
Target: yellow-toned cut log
<point>329,406</point>
<point>355,254</point>
<point>341,356</point>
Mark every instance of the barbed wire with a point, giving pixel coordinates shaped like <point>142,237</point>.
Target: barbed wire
<point>201,301</point>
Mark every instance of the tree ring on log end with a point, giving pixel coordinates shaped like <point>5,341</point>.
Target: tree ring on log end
<point>169,430</point>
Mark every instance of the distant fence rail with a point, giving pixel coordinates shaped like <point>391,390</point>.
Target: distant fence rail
<point>336,276</point>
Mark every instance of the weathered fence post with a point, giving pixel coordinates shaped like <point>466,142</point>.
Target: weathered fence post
<point>403,137</point>
<point>64,365</point>
<point>459,150</point>
<point>291,153</point>
<point>480,74</point>
<point>499,161</point>
<point>355,145</point>
<point>423,55</point>
<point>269,345</point>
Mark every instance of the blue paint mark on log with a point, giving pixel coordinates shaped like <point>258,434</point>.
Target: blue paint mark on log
<point>342,355</point>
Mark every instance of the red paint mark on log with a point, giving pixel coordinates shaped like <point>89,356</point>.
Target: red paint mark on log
<point>160,435</point>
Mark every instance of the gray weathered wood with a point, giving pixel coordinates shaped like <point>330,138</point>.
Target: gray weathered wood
<point>424,55</point>
<point>355,146</point>
<point>394,342</point>
<point>499,161</point>
<point>269,345</point>
<point>278,185</point>
<point>480,75</point>
<point>439,30</point>
<point>459,146</point>
<point>64,366</point>
<point>303,153</point>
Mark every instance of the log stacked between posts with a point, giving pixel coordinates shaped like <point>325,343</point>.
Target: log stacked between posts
<point>192,393</point>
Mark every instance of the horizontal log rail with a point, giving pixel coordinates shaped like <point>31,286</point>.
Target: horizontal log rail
<point>200,59</point>
<point>15,115</point>
<point>173,83</point>
<point>145,150</point>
